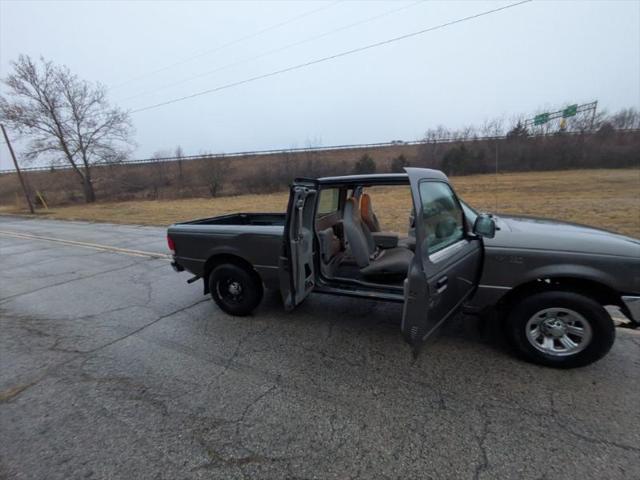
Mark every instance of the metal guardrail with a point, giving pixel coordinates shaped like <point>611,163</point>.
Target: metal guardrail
<point>396,143</point>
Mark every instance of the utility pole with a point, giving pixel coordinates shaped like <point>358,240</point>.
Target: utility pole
<point>495,186</point>
<point>593,114</point>
<point>15,162</point>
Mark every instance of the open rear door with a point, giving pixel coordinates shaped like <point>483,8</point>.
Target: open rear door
<point>297,274</point>
<point>446,266</point>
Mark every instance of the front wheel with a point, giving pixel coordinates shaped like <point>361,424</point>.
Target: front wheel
<point>560,329</point>
<point>235,289</point>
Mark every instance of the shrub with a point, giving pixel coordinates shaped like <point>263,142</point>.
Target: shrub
<point>398,163</point>
<point>456,160</point>
<point>364,165</point>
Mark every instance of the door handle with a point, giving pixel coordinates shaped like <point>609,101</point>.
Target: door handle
<point>441,284</point>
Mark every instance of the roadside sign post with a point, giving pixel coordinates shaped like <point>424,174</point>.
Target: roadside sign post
<point>15,163</point>
<point>570,111</point>
<point>593,114</point>
<point>567,112</point>
<point>541,119</point>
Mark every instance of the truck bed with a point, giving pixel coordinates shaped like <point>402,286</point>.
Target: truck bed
<point>262,219</point>
<point>254,238</point>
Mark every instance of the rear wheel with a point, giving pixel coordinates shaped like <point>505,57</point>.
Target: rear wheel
<point>560,329</point>
<point>235,289</point>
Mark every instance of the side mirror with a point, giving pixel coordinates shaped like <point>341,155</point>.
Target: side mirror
<point>484,226</point>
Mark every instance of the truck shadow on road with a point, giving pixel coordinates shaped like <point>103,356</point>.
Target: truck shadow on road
<point>368,327</point>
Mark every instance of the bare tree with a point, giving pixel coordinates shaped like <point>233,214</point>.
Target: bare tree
<point>625,119</point>
<point>437,134</point>
<point>159,173</point>
<point>429,152</point>
<point>586,122</point>
<point>465,133</point>
<point>65,118</point>
<point>216,173</point>
<point>492,128</point>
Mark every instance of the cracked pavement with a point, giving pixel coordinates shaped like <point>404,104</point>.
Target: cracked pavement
<point>112,366</point>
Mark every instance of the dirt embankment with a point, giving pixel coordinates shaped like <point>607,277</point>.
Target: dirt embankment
<point>608,199</point>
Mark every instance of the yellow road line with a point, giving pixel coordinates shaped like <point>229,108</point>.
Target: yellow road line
<point>94,246</point>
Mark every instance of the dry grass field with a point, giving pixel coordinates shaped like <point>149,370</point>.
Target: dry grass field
<point>607,199</point>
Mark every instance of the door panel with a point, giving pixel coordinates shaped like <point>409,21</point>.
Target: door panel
<point>415,325</point>
<point>297,275</point>
<point>458,264</point>
<point>445,269</point>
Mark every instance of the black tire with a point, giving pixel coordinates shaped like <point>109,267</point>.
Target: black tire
<point>602,329</point>
<point>235,289</point>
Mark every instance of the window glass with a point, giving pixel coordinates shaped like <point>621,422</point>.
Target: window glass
<point>442,215</point>
<point>329,199</point>
<point>469,212</point>
<point>390,206</point>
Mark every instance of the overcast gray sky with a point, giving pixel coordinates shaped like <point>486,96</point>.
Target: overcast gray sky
<point>540,54</point>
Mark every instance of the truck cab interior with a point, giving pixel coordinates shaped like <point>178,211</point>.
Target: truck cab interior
<point>337,241</point>
<point>366,229</point>
<point>354,243</point>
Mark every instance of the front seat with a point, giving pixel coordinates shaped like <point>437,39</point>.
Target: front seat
<point>368,215</point>
<point>372,262</point>
<point>370,220</point>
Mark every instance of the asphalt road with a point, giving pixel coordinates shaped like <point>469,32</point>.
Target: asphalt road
<point>112,366</point>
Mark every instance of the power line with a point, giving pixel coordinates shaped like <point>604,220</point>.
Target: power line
<point>331,57</point>
<point>228,44</point>
<point>276,50</point>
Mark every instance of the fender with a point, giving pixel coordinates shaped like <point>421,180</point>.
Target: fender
<point>564,270</point>
<point>490,292</point>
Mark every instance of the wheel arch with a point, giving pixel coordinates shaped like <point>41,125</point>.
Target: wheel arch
<point>598,291</point>
<point>222,258</point>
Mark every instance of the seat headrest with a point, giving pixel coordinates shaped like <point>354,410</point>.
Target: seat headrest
<point>351,208</point>
<point>365,205</point>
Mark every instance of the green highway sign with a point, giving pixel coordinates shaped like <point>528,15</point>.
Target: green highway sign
<point>567,112</point>
<point>541,119</point>
<point>570,111</point>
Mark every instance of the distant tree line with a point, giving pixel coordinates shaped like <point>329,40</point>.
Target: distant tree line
<point>602,141</point>
<point>70,122</point>
<point>216,176</point>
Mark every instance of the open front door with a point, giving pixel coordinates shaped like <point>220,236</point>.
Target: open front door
<point>446,266</point>
<point>297,275</point>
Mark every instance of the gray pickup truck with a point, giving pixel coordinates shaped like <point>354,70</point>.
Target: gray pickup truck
<point>548,281</point>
